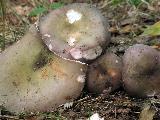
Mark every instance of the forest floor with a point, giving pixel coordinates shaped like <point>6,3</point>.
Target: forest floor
<point>127,23</point>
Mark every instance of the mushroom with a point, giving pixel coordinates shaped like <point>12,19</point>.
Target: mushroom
<point>104,74</point>
<point>141,71</point>
<point>34,79</point>
<point>76,32</point>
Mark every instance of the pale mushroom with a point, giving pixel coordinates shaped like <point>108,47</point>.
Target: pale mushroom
<point>77,32</point>
<point>34,79</point>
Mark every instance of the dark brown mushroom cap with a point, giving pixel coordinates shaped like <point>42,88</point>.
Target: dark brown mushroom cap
<point>77,32</point>
<point>104,74</point>
<point>141,71</point>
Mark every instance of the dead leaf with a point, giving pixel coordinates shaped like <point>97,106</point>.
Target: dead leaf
<point>156,46</point>
<point>153,30</point>
<point>24,11</point>
<point>113,29</point>
<point>126,29</point>
<point>147,113</point>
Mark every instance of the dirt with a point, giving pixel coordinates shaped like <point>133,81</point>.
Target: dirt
<point>126,26</point>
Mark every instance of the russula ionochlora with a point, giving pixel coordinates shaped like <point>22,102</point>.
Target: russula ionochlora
<point>141,71</point>
<point>104,74</point>
<point>34,79</point>
<point>77,32</point>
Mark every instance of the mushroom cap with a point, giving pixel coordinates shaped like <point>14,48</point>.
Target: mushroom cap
<point>77,32</point>
<point>104,75</point>
<point>141,71</point>
<point>34,79</point>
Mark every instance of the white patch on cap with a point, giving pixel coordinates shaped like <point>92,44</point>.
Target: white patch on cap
<point>47,35</point>
<point>95,117</point>
<point>92,53</point>
<point>50,47</point>
<point>116,61</point>
<point>81,78</point>
<point>73,16</point>
<point>76,53</point>
<point>71,41</point>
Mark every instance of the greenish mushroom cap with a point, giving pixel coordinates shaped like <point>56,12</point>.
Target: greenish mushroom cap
<point>77,32</point>
<point>34,79</point>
